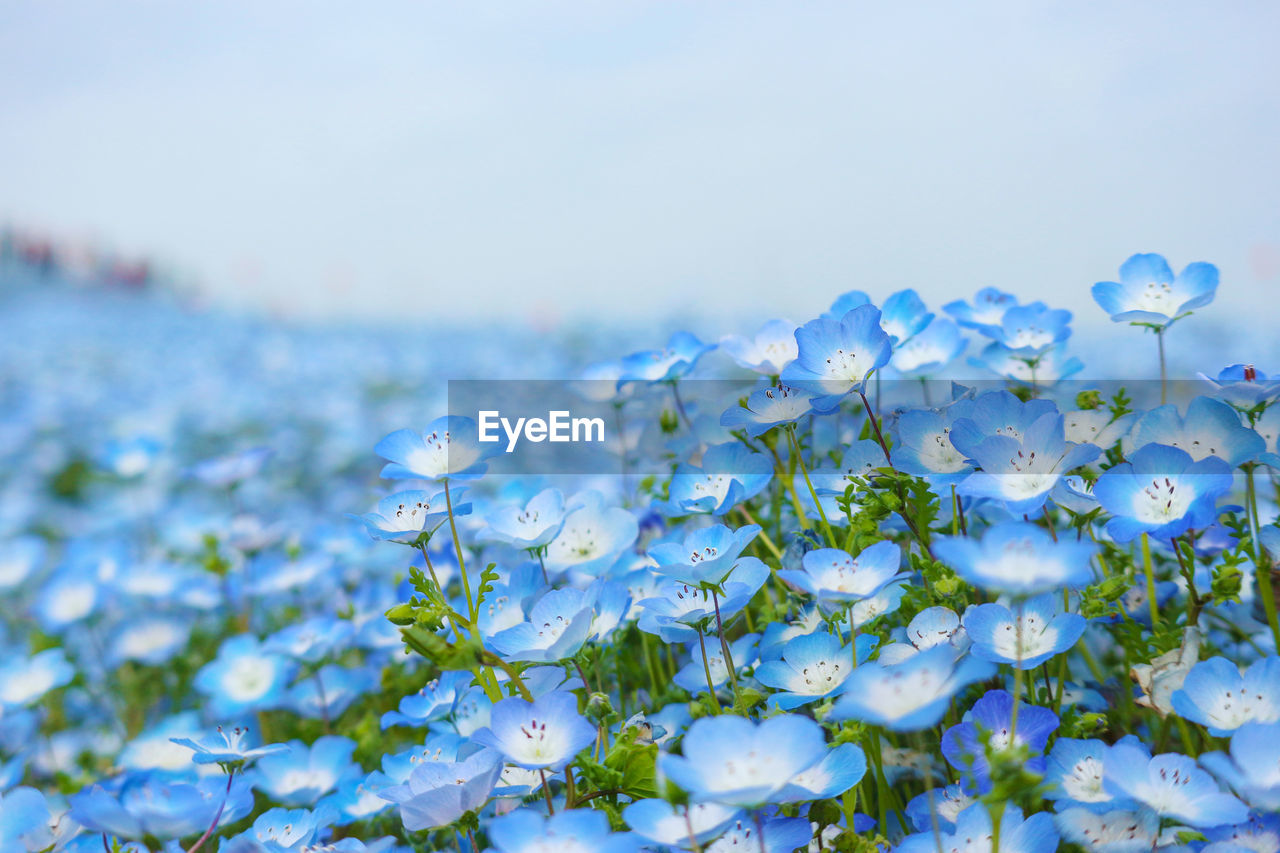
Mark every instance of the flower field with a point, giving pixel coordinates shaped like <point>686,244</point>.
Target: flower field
<point>897,577</point>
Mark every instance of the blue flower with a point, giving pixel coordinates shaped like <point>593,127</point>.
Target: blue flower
<point>903,316</point>
<point>1115,831</point>
<point>662,823</point>
<point>300,775</point>
<point>832,575</point>
<point>559,623</point>
<point>925,449</point>
<point>768,408</point>
<point>1026,636</point>
<point>933,626</point>
<point>159,805</point>
<point>1022,472</point>
<point>945,804</point>
<point>1161,491</point>
<point>973,833</point>
<point>438,792</point>
<point>448,449</point>
<point>24,680</point>
<point>1041,371</point>
<point>1172,786</point>
<point>1017,558</point>
<point>1075,772</point>
<point>331,690</point>
<point>846,302</point>
<point>708,555</point>
<point>733,761</point>
<point>1029,331</point>
<point>311,640</point>
<point>405,516</point>
<point>727,475</point>
<point>987,724</point>
<point>24,821</point>
<point>771,835</point>
<point>130,457</point>
<point>930,350</point>
<point>1244,386</point>
<point>679,607</point>
<point>19,559</point>
<point>840,769</point>
<point>1252,768</point>
<point>358,799</point>
<point>985,313</point>
<point>678,357</point>
<point>836,356</point>
<point>572,831</point>
<point>1211,428</point>
<point>1148,292</point>
<point>227,747</point>
<point>284,829</point>
<point>531,527</point>
<point>435,701</point>
<point>593,535</point>
<point>1215,694</point>
<point>772,348</point>
<point>693,675</point>
<point>153,640</point>
<point>813,666</point>
<point>544,734</point>
<point>911,695</point>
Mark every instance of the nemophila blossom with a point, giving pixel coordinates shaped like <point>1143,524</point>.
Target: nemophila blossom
<point>279,829</point>
<point>160,805</point>
<point>1112,831</point>
<point>571,831</point>
<point>973,833</point>
<point>1244,386</point>
<point>330,690</point>
<point>300,774</point>
<point>767,408</point>
<point>227,746</point>
<point>1030,330</point>
<point>839,770</point>
<point>1252,766</point>
<point>560,622</point>
<point>1210,428</point>
<point>1161,491</point>
<point>772,348</point>
<point>836,356</point>
<point>1022,472</point>
<point>358,799</point>
<point>910,695</point>
<point>67,598</point>
<point>833,575</point>
<point>531,526</point>
<point>232,469</point>
<point>924,448</point>
<point>435,701</point>
<point>933,626</point>
<point>693,675</point>
<point>707,555</point>
<point>985,312</point>
<point>544,734</point>
<point>1075,771</point>
<point>1258,833</point>
<point>989,724</point>
<point>679,606</point>
<point>311,640</point>
<point>154,748</point>
<point>904,315</point>
<point>660,365</point>
<point>1099,427</point>
<point>858,463</point>
<point>1218,696</point>
<point>25,680</point>
<point>1172,786</point>
<point>846,302</point>
<point>813,667</point>
<point>941,804</point>
<point>25,821</point>
<point>448,449</point>
<point>1039,371</point>
<point>733,761</point>
<point>152,640</point>
<point>405,516</point>
<point>244,677</point>
<point>929,350</point>
<point>1017,558</point>
<point>19,559</point>
<point>1025,635</point>
<point>1148,292</point>
<point>593,535</point>
<point>438,793</point>
<point>676,826</point>
<point>130,457</point>
<point>726,475</point>
<point>771,835</point>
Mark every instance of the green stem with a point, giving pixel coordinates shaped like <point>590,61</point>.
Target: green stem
<point>706,667</point>
<point>1152,604</point>
<point>822,513</point>
<point>1262,567</point>
<point>472,611</point>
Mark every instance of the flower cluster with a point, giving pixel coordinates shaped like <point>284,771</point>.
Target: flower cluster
<point>841,612</point>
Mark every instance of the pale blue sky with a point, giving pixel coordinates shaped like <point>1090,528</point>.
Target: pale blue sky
<point>526,159</point>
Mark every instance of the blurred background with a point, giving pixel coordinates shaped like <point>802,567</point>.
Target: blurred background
<point>556,163</point>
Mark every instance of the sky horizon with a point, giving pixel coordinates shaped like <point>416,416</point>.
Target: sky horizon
<point>642,160</point>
